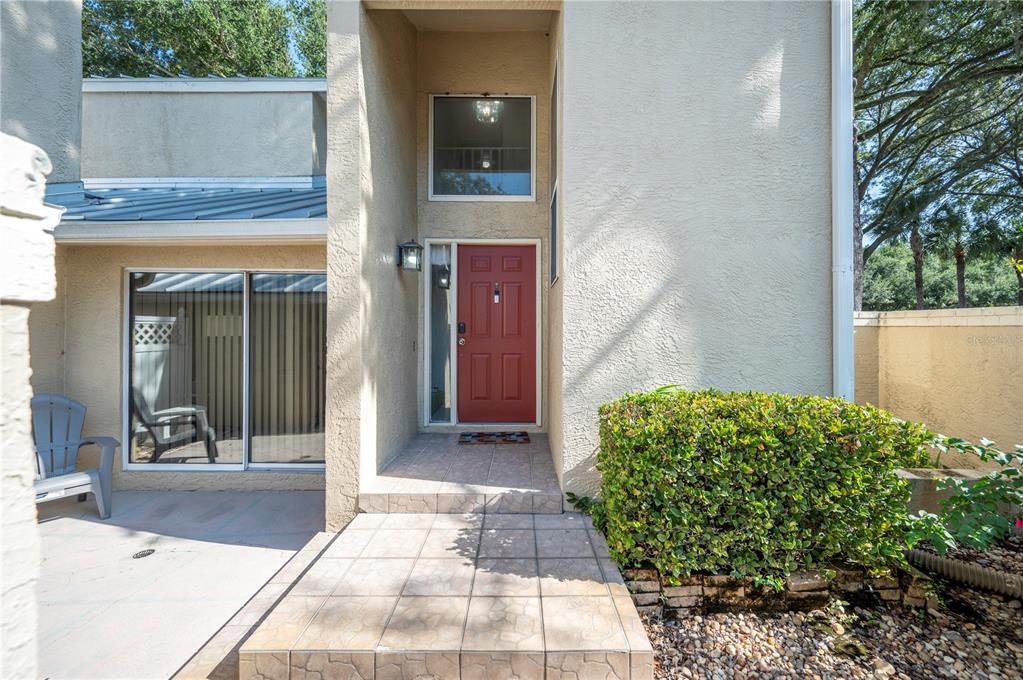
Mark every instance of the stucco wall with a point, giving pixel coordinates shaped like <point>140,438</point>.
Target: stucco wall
<point>957,370</point>
<point>866,337</point>
<point>195,134</point>
<point>346,130</point>
<point>91,280</point>
<point>26,277</point>
<point>40,79</point>
<point>696,203</point>
<point>463,62</point>
<point>390,297</point>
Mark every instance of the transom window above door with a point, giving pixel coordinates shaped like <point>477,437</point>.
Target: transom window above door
<point>482,148</point>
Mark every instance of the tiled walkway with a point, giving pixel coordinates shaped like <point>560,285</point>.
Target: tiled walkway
<point>472,597</point>
<point>437,474</point>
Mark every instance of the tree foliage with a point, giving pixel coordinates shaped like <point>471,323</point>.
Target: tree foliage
<point>938,101</point>
<point>888,280</point>
<point>204,38</point>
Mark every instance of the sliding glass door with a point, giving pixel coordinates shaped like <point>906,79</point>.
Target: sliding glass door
<point>226,369</point>
<point>287,326</point>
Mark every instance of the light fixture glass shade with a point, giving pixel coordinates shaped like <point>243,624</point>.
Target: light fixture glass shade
<point>410,256</point>
<point>488,110</point>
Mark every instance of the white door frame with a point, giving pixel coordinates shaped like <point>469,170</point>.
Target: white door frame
<point>427,349</point>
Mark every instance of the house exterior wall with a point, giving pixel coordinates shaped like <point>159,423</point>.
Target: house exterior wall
<point>91,282</point>
<point>201,134</point>
<point>40,79</point>
<point>956,370</point>
<point>696,204</point>
<point>464,62</point>
<point>390,297</point>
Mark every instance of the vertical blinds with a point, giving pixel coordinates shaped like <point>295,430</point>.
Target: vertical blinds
<point>188,350</point>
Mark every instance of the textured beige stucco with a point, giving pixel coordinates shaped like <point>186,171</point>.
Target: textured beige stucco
<point>20,536</point>
<point>390,297</point>
<point>866,357</point>
<point>90,311</point>
<point>956,370</point>
<point>467,63</point>
<point>696,204</point>
<point>201,134</point>
<point>346,135</point>
<point>26,224</point>
<point>40,79</point>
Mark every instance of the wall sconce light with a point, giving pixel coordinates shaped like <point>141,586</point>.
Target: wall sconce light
<point>410,256</point>
<point>444,277</point>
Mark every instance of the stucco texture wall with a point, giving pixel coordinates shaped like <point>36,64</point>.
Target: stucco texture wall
<point>555,301</point>
<point>956,370</point>
<point>390,297</point>
<point>196,134</point>
<point>41,79</point>
<point>90,309</point>
<point>463,62</point>
<point>696,204</point>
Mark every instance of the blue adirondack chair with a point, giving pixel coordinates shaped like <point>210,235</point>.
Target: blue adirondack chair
<point>57,424</point>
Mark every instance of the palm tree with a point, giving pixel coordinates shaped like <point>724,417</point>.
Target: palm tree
<point>948,236</point>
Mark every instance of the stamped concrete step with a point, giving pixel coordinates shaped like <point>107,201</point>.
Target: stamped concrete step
<point>455,597</point>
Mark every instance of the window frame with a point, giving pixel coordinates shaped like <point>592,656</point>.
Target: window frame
<point>126,346</point>
<point>468,198</point>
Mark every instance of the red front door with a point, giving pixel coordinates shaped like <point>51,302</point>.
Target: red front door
<point>496,334</point>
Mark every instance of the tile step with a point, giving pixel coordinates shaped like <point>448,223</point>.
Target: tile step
<point>505,503</point>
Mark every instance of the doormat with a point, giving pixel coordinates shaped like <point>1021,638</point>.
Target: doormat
<point>493,438</point>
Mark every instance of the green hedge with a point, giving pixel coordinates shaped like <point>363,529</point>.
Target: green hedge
<point>753,484</point>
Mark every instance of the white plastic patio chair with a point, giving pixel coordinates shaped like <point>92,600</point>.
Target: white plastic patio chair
<point>57,424</point>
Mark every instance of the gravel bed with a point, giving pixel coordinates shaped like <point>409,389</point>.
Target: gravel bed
<point>973,635</point>
<point>1006,556</point>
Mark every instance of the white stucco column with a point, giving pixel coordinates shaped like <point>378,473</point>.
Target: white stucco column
<point>26,276</point>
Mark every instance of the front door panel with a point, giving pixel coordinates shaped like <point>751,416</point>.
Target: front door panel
<point>497,350</point>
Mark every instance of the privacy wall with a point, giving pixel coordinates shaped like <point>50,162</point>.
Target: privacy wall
<point>957,370</point>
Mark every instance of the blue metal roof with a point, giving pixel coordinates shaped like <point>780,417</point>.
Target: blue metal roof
<point>159,204</point>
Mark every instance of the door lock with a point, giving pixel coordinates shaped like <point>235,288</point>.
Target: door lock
<point>461,341</point>
<point>497,293</point>
<point>461,326</point>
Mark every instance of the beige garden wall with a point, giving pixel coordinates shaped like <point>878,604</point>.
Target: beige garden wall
<point>957,370</point>
<point>466,62</point>
<point>78,342</point>
<point>202,134</point>
<point>696,204</point>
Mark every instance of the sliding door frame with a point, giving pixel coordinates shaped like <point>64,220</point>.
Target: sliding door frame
<point>126,364</point>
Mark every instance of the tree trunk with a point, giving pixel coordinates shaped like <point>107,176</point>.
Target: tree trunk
<point>917,244</point>
<point>857,238</point>
<point>961,275</point>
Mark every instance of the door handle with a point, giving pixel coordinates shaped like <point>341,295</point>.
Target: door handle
<point>461,341</point>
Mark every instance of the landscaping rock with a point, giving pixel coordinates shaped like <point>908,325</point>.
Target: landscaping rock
<point>978,635</point>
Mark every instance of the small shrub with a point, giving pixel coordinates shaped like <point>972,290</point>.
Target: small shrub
<point>753,484</point>
<point>977,513</point>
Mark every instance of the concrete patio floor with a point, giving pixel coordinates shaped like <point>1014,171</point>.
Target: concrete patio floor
<point>103,614</point>
<point>453,597</point>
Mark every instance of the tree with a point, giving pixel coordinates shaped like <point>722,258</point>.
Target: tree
<point>309,19</point>
<point>935,80</point>
<point>889,280</point>
<point>203,38</point>
<point>948,236</point>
